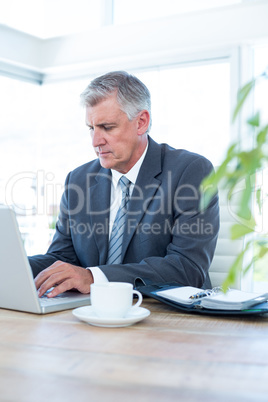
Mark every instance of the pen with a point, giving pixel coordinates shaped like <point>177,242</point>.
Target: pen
<point>207,292</point>
<point>200,294</point>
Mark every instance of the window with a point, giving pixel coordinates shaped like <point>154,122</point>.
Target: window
<point>260,103</point>
<point>191,107</point>
<point>43,137</point>
<point>19,120</point>
<point>139,10</point>
<point>50,18</point>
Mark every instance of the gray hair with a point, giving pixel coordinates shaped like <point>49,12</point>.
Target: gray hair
<point>132,95</point>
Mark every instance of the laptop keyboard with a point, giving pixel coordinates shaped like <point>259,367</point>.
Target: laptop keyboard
<point>52,300</point>
<point>62,298</point>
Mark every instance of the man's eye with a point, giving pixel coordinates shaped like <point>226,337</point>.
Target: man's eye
<point>108,128</point>
<point>90,128</point>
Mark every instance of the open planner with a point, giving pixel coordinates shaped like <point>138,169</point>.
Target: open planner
<point>210,301</point>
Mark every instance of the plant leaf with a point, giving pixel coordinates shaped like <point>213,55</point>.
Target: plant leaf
<point>233,271</point>
<point>263,251</point>
<point>238,230</point>
<point>250,160</point>
<point>255,120</point>
<point>210,183</point>
<point>261,136</point>
<point>258,200</point>
<point>206,196</point>
<point>242,96</point>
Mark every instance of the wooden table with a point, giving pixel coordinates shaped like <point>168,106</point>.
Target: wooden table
<point>169,356</point>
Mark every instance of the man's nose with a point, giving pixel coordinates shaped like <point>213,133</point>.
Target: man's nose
<point>97,137</point>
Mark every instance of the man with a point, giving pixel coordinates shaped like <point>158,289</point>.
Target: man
<point>164,235</point>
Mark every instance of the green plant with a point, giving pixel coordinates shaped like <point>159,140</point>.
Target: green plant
<point>242,166</point>
<point>52,222</point>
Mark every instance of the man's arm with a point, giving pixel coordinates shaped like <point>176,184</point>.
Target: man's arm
<point>183,250</point>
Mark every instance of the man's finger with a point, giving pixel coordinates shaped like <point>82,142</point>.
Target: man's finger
<point>52,281</point>
<point>62,287</point>
<point>46,273</point>
<point>63,277</point>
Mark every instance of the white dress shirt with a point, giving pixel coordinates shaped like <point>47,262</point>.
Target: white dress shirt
<point>115,201</point>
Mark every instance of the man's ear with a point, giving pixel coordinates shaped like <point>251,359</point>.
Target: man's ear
<point>143,122</point>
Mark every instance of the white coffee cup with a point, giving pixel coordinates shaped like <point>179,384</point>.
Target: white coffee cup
<point>113,299</point>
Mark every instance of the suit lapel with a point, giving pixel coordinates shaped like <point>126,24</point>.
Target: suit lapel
<point>99,210</point>
<point>144,191</point>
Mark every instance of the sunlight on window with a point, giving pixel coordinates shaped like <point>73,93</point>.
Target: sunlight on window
<point>44,135</point>
<point>261,91</point>
<point>191,108</point>
<point>260,103</point>
<point>19,120</point>
<point>50,18</point>
<point>130,11</point>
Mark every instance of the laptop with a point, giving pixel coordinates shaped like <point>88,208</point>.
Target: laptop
<point>17,287</point>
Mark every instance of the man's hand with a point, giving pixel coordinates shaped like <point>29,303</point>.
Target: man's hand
<point>63,276</point>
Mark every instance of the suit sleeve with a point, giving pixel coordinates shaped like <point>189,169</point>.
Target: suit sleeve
<point>187,255</point>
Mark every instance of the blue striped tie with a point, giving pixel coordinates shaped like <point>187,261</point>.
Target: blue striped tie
<point>115,244</point>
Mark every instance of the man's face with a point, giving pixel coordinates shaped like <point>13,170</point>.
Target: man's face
<point>118,142</point>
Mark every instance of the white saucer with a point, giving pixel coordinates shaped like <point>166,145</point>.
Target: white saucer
<point>86,314</point>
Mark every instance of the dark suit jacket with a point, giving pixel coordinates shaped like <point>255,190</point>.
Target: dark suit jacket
<point>167,237</point>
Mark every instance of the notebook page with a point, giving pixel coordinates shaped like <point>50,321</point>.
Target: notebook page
<point>233,300</point>
<point>180,295</point>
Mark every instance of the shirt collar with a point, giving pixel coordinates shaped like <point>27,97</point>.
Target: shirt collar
<point>132,174</point>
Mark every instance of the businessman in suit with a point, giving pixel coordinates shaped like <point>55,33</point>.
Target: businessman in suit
<point>165,235</point>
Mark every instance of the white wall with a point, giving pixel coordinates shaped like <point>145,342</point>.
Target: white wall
<point>140,45</point>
